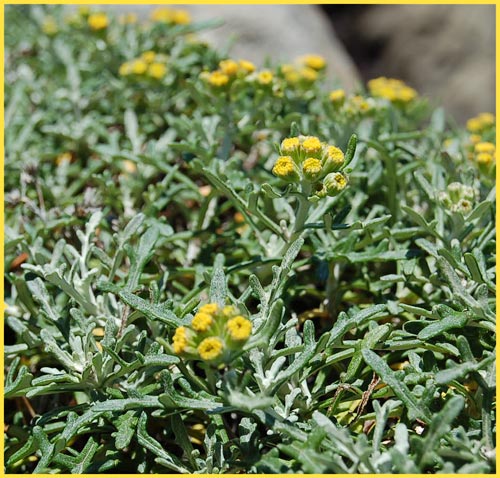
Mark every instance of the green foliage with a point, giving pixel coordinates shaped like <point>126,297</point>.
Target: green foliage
<point>131,201</point>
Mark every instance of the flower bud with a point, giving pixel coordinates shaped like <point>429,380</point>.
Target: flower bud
<point>333,184</point>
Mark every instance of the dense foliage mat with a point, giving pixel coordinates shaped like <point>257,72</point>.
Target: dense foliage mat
<point>218,267</point>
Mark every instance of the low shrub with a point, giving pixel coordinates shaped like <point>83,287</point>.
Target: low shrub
<point>220,267</point>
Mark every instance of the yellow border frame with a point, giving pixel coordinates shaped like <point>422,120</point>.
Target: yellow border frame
<point>225,2</point>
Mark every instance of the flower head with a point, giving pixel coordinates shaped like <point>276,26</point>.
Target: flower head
<point>391,89</point>
<point>484,147</point>
<point>286,169</point>
<point>246,66</point>
<point>337,96</point>
<point>138,67</point>
<point>169,15</point>
<point>484,159</point>
<point>265,77</point>
<point>149,56</point>
<point>201,322</point>
<point>180,340</point>
<point>311,144</point>
<point>228,67</point>
<point>210,348</point>
<point>288,145</point>
<point>239,328</point>
<point>157,70</point>
<point>312,169</point>
<point>209,308</point>
<point>316,62</point>
<point>125,69</point>
<point>97,21</point>
<point>308,74</point>
<point>217,79</point>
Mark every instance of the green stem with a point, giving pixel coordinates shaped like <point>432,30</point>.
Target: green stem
<point>300,217</point>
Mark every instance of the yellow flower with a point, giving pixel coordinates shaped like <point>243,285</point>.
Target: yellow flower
<point>239,328</point>
<point>487,119</point>
<point>316,62</point>
<point>265,77</point>
<point>337,96</point>
<point>202,322</point>
<point>485,147</point>
<point>288,145</point>
<point>311,168</point>
<point>311,145</point>
<point>128,19</point>
<point>98,21</point>
<point>162,14</point>
<point>484,158</point>
<point>149,56</point>
<point>125,69</point>
<point>218,79</point>
<point>286,169</point>
<point>138,67</point>
<point>49,26</point>
<point>406,94</point>
<point>209,308</point>
<point>157,70</point>
<point>228,67</point>
<point>475,138</point>
<point>210,348</point>
<point>391,89</point>
<point>167,15</point>
<point>179,340</point>
<point>335,155</point>
<point>246,66</point>
<point>309,74</point>
<point>181,17</point>
<point>474,125</point>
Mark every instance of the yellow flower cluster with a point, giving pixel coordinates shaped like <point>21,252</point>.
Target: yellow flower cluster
<point>391,89</point>
<point>479,145</point>
<point>169,15</point>
<point>149,63</point>
<point>480,123</point>
<point>306,158</point>
<point>213,333</point>
<point>484,155</point>
<point>97,21</point>
<point>305,70</point>
<point>228,70</point>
